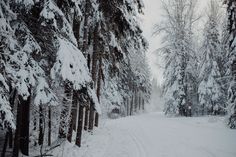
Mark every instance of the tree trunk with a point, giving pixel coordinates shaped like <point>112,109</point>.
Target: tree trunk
<point>89,62</point>
<point>85,35</point>
<point>5,144</point>
<point>24,133</point>
<point>12,103</point>
<point>96,119</point>
<point>17,131</point>
<point>86,118</point>
<point>64,112</point>
<point>135,101</point>
<point>99,78</point>
<point>95,56</point>
<point>139,102</point>
<point>21,141</point>
<point>73,115</point>
<point>91,116</point>
<point>10,138</point>
<point>41,120</point>
<point>127,106</point>
<point>99,87</point>
<point>80,126</point>
<point>35,127</point>
<point>76,30</point>
<point>143,104</point>
<point>130,110</point>
<point>203,109</point>
<point>49,125</point>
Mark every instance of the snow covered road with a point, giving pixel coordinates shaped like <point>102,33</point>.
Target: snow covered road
<point>154,135</point>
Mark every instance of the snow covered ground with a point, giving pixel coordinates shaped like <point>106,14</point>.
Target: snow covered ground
<point>154,135</point>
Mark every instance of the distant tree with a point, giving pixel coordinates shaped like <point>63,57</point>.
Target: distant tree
<point>126,74</point>
<point>179,54</point>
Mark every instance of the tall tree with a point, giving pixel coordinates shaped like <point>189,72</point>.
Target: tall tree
<point>179,54</point>
<point>51,49</point>
<point>6,33</point>
<point>231,9</point>
<point>124,48</point>
<point>211,94</point>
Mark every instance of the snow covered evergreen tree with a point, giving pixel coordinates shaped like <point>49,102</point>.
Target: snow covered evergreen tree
<point>58,57</point>
<point>179,55</point>
<point>211,94</point>
<point>231,12</point>
<point>126,55</point>
<point>6,37</point>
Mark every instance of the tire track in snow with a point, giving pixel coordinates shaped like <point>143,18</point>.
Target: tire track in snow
<point>124,143</point>
<point>139,144</point>
<point>157,136</point>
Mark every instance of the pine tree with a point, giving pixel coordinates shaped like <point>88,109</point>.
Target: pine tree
<point>211,94</point>
<point>57,57</point>
<point>231,9</point>
<point>6,33</point>
<point>126,46</point>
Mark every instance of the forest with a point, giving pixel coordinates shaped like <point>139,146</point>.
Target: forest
<point>200,75</point>
<point>73,72</point>
<point>62,63</point>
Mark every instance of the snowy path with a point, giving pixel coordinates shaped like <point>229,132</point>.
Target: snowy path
<point>154,135</point>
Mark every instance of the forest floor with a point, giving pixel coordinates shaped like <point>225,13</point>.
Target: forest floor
<point>154,135</point>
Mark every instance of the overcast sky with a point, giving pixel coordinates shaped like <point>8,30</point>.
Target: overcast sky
<point>153,15</point>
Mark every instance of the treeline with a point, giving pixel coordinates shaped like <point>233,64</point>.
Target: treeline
<point>199,74</point>
<point>63,64</point>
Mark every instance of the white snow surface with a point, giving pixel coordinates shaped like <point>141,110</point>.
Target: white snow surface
<point>154,135</point>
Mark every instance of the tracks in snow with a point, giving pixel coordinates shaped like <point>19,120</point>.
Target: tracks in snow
<point>123,142</point>
<point>155,135</point>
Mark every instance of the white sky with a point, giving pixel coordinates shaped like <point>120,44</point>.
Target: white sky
<point>153,15</point>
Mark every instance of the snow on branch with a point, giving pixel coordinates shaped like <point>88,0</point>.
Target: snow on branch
<point>43,94</point>
<point>56,17</point>
<point>71,65</point>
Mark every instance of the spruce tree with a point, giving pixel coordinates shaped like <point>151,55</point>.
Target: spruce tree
<point>211,94</point>
<point>231,9</point>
